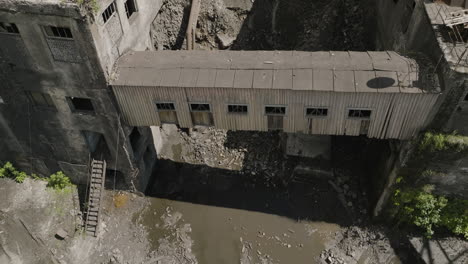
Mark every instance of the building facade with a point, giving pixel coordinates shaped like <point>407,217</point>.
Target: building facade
<point>56,111</point>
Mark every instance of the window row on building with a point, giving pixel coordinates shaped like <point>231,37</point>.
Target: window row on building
<point>278,110</point>
<point>111,10</point>
<point>76,104</point>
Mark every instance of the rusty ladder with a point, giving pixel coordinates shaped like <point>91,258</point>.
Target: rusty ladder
<point>96,187</point>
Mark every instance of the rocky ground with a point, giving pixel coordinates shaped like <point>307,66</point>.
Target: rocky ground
<point>268,25</point>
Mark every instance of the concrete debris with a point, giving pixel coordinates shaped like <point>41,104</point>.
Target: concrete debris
<point>61,234</point>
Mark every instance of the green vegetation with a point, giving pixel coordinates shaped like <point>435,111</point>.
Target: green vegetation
<point>57,181</point>
<point>8,171</point>
<point>418,206</point>
<point>434,142</point>
<point>89,5</point>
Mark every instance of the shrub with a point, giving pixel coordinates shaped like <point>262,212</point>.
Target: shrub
<point>455,217</point>
<point>58,181</point>
<point>432,142</point>
<point>419,207</point>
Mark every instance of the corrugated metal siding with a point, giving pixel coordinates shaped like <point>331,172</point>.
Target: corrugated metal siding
<point>394,115</point>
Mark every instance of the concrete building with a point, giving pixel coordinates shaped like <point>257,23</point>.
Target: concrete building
<point>56,110</point>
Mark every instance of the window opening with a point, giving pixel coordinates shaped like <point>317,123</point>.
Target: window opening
<point>80,104</point>
<point>165,106</point>
<point>466,98</point>
<point>58,32</point>
<point>107,14</point>
<point>359,113</point>
<point>316,112</point>
<point>130,8</point>
<point>237,109</point>
<point>8,28</point>
<point>200,107</point>
<point>134,138</point>
<point>40,99</point>
<point>275,110</point>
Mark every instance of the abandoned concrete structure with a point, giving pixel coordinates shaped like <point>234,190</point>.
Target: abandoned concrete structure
<point>56,109</point>
<point>58,85</point>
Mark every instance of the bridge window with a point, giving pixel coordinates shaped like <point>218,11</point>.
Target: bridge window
<point>58,32</point>
<point>40,99</point>
<point>130,8</point>
<point>316,112</point>
<point>200,107</point>
<point>275,110</point>
<point>359,113</point>
<point>165,106</point>
<point>107,14</point>
<point>8,28</point>
<point>80,104</point>
<point>237,109</point>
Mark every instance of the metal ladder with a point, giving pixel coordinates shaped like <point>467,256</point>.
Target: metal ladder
<point>96,186</point>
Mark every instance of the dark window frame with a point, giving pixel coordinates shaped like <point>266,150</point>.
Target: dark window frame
<point>9,28</point>
<point>359,113</point>
<point>200,110</point>
<point>74,109</point>
<point>110,11</point>
<point>58,32</point>
<point>165,106</point>
<point>316,112</point>
<point>238,109</point>
<point>46,98</point>
<point>131,9</point>
<point>276,113</point>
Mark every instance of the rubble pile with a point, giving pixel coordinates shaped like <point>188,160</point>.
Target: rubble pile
<point>268,25</point>
<point>356,245</point>
<point>256,155</point>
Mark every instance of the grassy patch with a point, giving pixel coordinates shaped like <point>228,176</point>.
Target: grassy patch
<point>437,142</point>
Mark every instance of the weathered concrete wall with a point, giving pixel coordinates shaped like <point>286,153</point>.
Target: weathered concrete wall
<point>121,34</point>
<point>47,139</point>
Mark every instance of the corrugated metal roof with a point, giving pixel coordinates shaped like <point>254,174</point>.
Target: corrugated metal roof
<point>341,71</point>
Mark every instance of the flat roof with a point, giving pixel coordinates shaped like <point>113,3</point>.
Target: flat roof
<point>378,72</point>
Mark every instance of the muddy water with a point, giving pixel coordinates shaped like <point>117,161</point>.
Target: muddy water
<point>227,235</point>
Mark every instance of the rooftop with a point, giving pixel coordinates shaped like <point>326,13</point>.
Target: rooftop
<point>374,72</point>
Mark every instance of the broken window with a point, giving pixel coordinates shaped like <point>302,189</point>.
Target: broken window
<point>80,104</point>
<point>40,99</point>
<point>316,112</point>
<point>107,14</point>
<point>200,107</point>
<point>237,109</point>
<point>130,8</point>
<point>359,113</point>
<point>8,28</point>
<point>165,106</point>
<point>275,110</point>
<point>58,32</point>
<point>135,138</point>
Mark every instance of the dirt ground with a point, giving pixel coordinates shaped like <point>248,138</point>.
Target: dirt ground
<point>268,25</point>
<point>214,200</point>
